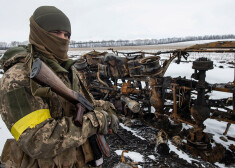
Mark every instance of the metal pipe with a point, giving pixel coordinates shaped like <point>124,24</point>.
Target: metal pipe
<point>174,99</point>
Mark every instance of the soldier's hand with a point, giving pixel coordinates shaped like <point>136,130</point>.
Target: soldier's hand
<point>114,123</point>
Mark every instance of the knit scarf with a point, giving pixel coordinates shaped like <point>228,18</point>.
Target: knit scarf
<point>51,46</point>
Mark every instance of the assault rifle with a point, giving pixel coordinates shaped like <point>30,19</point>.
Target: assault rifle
<point>43,75</point>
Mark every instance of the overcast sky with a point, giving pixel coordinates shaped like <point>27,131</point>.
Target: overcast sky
<point>124,19</point>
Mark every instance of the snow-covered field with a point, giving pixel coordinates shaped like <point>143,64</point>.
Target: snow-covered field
<point>216,75</point>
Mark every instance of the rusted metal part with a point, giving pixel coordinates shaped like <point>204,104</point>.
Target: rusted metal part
<point>229,90</point>
<point>132,105</point>
<point>178,119</point>
<point>211,51</point>
<point>227,128</point>
<point>81,64</point>
<point>177,140</point>
<point>223,116</point>
<point>218,44</point>
<point>133,164</point>
<point>155,98</point>
<point>174,100</point>
<point>98,77</point>
<point>229,124</point>
<point>127,89</point>
<point>231,138</point>
<point>122,156</point>
<point>201,111</point>
<point>223,119</point>
<point>198,139</point>
<point>140,78</point>
<point>161,143</point>
<point>150,65</point>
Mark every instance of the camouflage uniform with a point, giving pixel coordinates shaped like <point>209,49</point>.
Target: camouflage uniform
<point>41,121</point>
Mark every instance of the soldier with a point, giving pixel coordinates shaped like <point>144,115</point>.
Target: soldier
<point>40,120</point>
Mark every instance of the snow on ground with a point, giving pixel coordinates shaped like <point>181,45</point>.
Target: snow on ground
<point>219,95</point>
<point>216,75</point>
<point>134,156</point>
<point>220,165</point>
<point>152,157</point>
<point>186,126</point>
<point>180,153</point>
<point>217,128</point>
<point>214,127</point>
<point>133,132</point>
<point>137,157</point>
<point>4,134</point>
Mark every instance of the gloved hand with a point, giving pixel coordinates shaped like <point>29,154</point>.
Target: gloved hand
<point>106,121</point>
<point>106,105</point>
<point>114,121</point>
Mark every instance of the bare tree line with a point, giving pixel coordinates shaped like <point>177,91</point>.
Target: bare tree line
<point>5,45</point>
<point>112,43</point>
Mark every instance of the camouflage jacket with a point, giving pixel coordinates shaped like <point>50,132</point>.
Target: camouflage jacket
<point>42,122</point>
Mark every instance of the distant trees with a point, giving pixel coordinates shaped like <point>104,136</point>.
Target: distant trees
<point>4,45</point>
<point>113,43</point>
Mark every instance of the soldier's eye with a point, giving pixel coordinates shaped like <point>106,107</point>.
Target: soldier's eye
<point>67,35</point>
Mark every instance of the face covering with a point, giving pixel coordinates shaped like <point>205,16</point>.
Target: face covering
<point>49,45</point>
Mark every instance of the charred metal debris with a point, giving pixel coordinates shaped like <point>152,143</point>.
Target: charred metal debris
<point>135,83</point>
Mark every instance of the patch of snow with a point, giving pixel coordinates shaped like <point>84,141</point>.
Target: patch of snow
<point>152,109</point>
<point>219,95</point>
<point>143,84</point>
<point>171,121</point>
<point>186,126</point>
<point>5,134</point>
<point>132,131</point>
<point>220,75</point>
<point>135,156</point>
<point>230,107</point>
<point>213,145</point>
<point>183,69</point>
<point>216,75</point>
<point>220,165</point>
<point>180,153</point>
<point>152,157</point>
<point>220,109</point>
<point>217,128</point>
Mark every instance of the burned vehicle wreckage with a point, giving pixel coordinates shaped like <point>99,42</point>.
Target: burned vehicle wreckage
<point>136,84</point>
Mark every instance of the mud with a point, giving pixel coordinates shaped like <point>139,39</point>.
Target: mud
<point>146,147</point>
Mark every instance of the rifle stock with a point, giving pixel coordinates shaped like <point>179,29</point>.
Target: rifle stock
<point>43,75</point>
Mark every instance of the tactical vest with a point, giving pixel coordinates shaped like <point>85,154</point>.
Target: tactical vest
<point>56,103</point>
